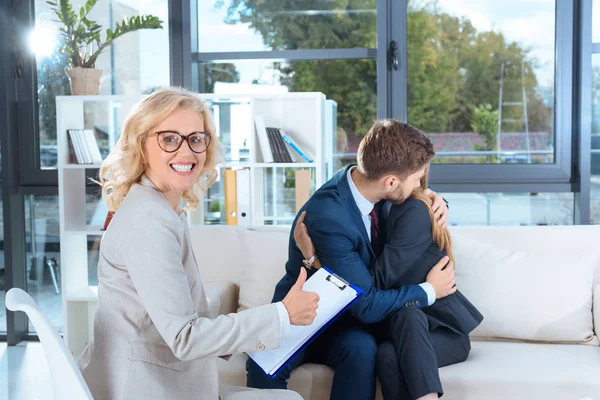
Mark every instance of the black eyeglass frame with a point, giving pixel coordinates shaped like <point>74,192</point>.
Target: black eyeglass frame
<point>183,139</point>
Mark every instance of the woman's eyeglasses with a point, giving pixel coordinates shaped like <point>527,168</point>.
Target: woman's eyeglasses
<point>171,141</point>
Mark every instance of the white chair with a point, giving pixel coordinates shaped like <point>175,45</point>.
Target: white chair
<point>67,381</point>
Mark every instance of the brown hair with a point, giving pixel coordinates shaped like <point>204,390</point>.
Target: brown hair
<point>441,236</point>
<point>393,147</point>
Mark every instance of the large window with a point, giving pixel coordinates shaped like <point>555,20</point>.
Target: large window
<point>43,256</point>
<point>2,270</point>
<point>489,82</point>
<point>481,78</point>
<point>234,28</point>
<point>249,25</point>
<point>352,84</point>
<point>595,140</point>
<point>471,209</point>
<point>135,63</point>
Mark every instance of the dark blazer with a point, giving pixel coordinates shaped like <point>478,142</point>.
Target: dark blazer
<point>407,258</point>
<point>335,225</point>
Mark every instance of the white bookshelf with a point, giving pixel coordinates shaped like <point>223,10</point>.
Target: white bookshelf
<point>306,117</point>
<point>79,298</point>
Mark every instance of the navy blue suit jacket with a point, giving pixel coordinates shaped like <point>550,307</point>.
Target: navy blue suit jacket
<point>335,225</point>
<point>407,258</point>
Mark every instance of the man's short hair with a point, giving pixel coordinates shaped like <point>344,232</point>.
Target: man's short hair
<point>393,147</point>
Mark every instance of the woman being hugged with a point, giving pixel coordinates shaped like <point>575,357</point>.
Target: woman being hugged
<point>152,335</point>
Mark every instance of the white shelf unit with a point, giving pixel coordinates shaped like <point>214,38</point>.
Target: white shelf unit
<point>308,118</point>
<point>79,298</point>
<point>304,116</point>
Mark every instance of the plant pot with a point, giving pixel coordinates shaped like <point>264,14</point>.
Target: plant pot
<point>84,81</point>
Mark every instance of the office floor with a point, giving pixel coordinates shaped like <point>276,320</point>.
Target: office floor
<point>24,374</point>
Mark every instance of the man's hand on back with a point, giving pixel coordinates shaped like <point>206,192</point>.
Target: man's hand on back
<point>439,207</point>
<point>442,280</point>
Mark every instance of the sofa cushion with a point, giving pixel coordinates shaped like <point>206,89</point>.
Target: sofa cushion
<point>494,371</point>
<point>217,252</point>
<point>264,253</point>
<point>311,381</point>
<point>221,298</point>
<point>499,371</point>
<point>527,295</point>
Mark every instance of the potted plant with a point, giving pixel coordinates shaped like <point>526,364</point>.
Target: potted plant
<point>83,44</point>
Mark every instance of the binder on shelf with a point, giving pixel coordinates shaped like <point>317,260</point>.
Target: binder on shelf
<point>280,153</point>
<point>229,181</point>
<point>263,139</point>
<point>76,143</point>
<point>295,147</point>
<point>302,187</point>
<point>336,296</point>
<point>85,146</point>
<point>273,146</point>
<point>243,197</point>
<point>93,146</point>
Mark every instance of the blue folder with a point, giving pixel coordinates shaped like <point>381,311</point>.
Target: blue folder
<point>343,286</point>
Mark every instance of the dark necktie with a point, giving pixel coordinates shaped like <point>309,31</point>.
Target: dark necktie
<point>375,232</point>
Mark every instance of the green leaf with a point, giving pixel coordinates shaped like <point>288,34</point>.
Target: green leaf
<point>89,4</point>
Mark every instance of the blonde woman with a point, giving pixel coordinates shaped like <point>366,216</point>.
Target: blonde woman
<point>152,337</point>
<point>415,341</point>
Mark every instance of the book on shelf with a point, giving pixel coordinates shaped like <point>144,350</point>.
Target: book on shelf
<point>84,147</point>
<point>302,187</point>
<point>263,139</point>
<point>294,146</point>
<point>230,192</point>
<point>280,153</point>
<point>276,145</point>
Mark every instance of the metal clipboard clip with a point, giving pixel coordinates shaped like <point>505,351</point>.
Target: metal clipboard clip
<point>342,284</point>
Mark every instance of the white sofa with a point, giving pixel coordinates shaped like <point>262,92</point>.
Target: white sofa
<point>538,288</point>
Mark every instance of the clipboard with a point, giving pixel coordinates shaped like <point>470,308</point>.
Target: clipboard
<point>336,296</point>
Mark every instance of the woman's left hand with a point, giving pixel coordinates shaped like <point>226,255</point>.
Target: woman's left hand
<point>303,240</point>
<point>439,207</point>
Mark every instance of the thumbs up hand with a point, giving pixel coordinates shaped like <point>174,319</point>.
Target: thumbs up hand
<point>300,305</point>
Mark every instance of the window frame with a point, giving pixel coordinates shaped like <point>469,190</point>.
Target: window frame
<point>22,173</point>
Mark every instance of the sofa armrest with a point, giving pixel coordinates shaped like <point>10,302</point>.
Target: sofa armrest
<point>222,298</point>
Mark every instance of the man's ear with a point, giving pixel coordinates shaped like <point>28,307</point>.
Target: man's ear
<point>390,181</point>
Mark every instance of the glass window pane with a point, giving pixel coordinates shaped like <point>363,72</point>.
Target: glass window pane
<point>352,84</point>
<point>510,208</point>
<point>135,63</point>
<point>595,179</point>
<point>481,79</point>
<point>596,21</point>
<point>280,195</point>
<point>43,257</point>
<point>43,254</point>
<point>249,25</point>
<point>234,126</point>
<point>2,270</point>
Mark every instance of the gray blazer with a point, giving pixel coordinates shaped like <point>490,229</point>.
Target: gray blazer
<point>152,337</point>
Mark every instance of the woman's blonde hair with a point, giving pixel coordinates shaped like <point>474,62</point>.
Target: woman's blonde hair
<point>441,236</point>
<point>126,163</point>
